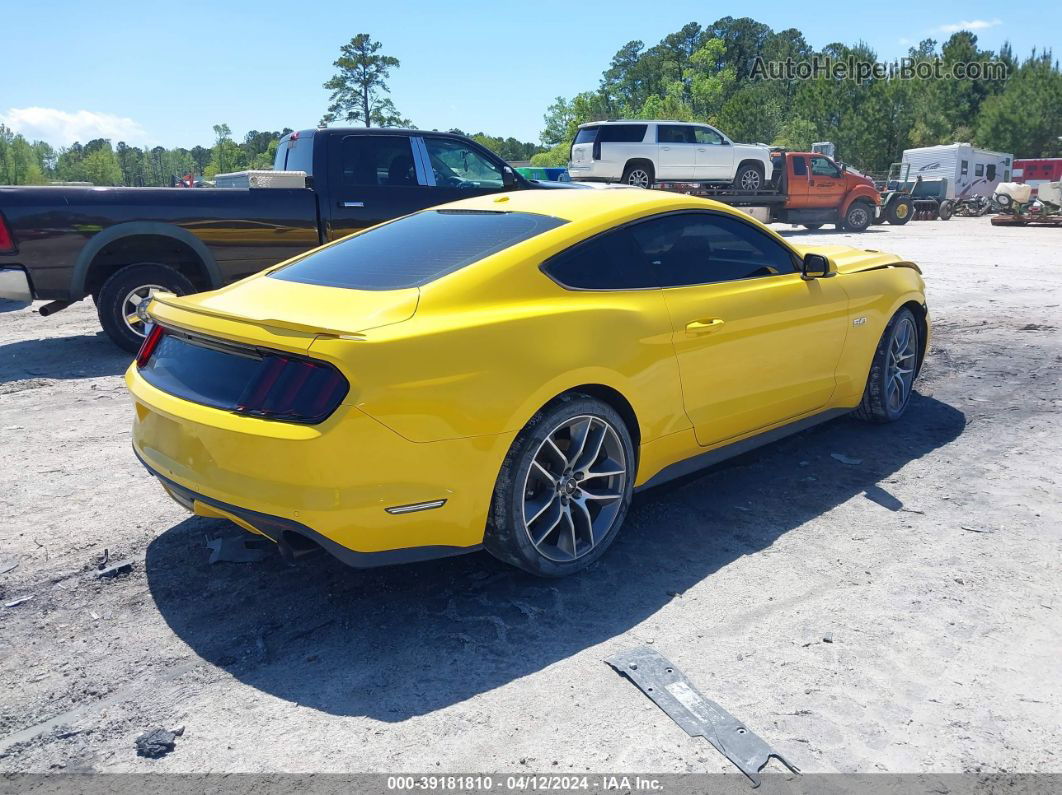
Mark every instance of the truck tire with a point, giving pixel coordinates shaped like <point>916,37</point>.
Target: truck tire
<point>119,296</point>
<point>899,211</point>
<point>858,217</point>
<point>639,173</point>
<point>749,177</point>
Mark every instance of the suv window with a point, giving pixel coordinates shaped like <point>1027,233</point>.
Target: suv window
<point>415,250</point>
<point>706,135</point>
<point>458,165</point>
<point>674,134</point>
<point>375,160</point>
<point>824,167</point>
<point>586,135</point>
<point>622,133</point>
<point>703,248</point>
<point>611,261</point>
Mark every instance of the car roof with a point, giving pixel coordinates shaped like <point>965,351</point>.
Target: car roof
<point>378,131</point>
<point>587,205</point>
<point>643,121</point>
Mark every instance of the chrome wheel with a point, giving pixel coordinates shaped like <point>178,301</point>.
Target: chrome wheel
<point>900,367</point>
<point>858,218</point>
<point>638,177</point>
<point>133,299</point>
<point>574,488</point>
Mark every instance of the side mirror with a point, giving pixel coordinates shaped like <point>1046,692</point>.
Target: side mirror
<point>508,177</point>
<point>815,266</point>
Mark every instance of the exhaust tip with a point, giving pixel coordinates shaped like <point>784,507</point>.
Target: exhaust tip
<point>293,546</point>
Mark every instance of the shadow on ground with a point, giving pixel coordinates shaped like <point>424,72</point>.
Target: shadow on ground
<point>81,356</point>
<point>403,641</point>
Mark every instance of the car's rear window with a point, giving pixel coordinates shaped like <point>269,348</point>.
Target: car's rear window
<point>415,250</point>
<point>586,135</point>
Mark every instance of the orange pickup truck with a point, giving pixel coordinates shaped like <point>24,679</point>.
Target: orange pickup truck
<point>807,188</point>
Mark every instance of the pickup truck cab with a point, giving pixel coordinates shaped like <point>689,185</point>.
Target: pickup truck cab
<point>120,245</point>
<point>641,153</point>
<point>808,188</point>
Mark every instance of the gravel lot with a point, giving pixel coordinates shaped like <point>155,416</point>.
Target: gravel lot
<point>933,566</point>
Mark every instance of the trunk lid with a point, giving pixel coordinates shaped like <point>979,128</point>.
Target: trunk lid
<point>284,314</point>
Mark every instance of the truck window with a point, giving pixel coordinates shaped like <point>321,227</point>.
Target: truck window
<point>622,133</point>
<point>824,167</point>
<point>706,135</point>
<point>295,153</point>
<point>375,160</point>
<point>800,166</point>
<point>586,135</point>
<point>674,134</point>
<point>458,165</point>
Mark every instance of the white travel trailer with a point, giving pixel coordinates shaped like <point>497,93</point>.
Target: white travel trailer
<point>969,171</point>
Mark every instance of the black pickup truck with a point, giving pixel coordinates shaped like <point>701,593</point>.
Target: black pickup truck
<point>62,244</point>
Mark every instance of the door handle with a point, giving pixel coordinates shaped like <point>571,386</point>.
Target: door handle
<point>666,148</point>
<point>351,204</point>
<point>704,326</point>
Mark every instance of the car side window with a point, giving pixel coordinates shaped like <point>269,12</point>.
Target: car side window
<point>800,166</point>
<point>612,261</point>
<point>458,165</point>
<point>706,135</point>
<point>622,133</point>
<point>375,160</point>
<point>702,248</point>
<point>674,134</point>
<point>824,167</point>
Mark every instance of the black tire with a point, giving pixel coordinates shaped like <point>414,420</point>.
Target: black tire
<point>899,211</point>
<point>112,296</point>
<point>507,537</point>
<point>858,217</point>
<point>639,173</point>
<point>749,177</point>
<point>874,407</point>
<point>813,227</point>
<point>947,209</point>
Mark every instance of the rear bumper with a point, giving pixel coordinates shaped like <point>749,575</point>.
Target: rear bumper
<point>15,284</point>
<point>275,527</point>
<point>333,483</point>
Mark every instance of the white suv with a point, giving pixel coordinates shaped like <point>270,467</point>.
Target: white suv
<point>643,152</point>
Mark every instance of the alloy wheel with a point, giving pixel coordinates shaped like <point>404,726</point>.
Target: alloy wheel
<point>132,302</point>
<point>900,367</point>
<point>638,177</point>
<point>750,180</point>
<point>573,491</point>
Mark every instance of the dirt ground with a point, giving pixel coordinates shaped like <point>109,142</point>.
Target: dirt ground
<point>898,614</point>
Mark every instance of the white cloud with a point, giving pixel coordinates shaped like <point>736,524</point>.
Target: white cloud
<point>62,128</point>
<point>970,24</point>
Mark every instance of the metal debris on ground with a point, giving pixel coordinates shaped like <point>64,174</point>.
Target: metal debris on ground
<point>17,602</point>
<point>846,459</point>
<point>157,742</point>
<point>235,549</point>
<point>116,570</point>
<point>697,715</point>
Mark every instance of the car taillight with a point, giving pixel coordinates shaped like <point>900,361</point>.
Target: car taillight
<point>147,347</point>
<point>7,243</point>
<point>297,390</point>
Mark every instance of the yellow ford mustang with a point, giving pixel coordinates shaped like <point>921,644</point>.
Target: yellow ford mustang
<point>504,371</point>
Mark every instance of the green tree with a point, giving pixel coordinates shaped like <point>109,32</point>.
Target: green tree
<point>360,87</point>
<point>223,136</point>
<point>1026,118</point>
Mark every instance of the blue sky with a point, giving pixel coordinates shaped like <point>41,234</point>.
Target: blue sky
<point>126,70</point>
